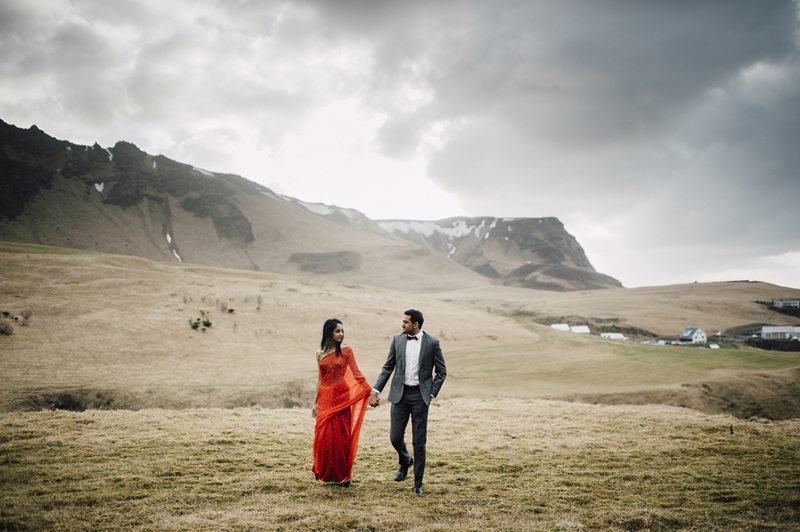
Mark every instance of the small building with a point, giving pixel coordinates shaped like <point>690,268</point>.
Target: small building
<point>658,341</point>
<point>579,329</point>
<point>783,332</point>
<point>692,335</point>
<point>786,303</point>
<point>614,336</point>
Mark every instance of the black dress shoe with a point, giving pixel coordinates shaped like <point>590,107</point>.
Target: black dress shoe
<point>344,484</point>
<point>402,471</point>
<point>417,491</point>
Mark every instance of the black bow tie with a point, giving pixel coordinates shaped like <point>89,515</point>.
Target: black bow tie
<point>412,337</point>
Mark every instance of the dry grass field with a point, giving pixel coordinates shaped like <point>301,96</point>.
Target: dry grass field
<point>505,464</point>
<point>209,429</point>
<point>112,331</point>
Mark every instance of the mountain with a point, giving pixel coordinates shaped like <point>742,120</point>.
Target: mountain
<point>529,252</point>
<point>122,200</point>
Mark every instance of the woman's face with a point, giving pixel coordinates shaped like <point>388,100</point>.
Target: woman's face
<point>338,334</point>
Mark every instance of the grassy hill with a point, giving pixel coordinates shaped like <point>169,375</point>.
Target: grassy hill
<point>155,452</point>
<point>114,331</point>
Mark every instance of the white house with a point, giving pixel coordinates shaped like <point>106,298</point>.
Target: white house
<point>786,303</point>
<point>692,335</point>
<point>786,332</point>
<point>579,329</point>
<point>614,336</point>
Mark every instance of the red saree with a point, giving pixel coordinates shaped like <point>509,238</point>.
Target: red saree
<point>341,402</point>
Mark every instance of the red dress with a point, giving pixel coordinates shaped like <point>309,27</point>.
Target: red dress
<point>341,402</point>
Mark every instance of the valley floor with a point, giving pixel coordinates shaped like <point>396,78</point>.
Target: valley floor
<point>493,465</point>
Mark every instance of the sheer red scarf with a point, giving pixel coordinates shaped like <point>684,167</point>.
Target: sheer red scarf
<point>341,403</point>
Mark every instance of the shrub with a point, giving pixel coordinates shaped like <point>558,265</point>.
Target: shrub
<point>6,329</point>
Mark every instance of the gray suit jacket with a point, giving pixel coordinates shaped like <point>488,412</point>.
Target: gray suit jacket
<point>430,358</point>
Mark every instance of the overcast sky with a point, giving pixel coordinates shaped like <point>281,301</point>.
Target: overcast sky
<point>664,134</point>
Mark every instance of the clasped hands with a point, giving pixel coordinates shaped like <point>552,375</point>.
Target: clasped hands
<point>374,399</point>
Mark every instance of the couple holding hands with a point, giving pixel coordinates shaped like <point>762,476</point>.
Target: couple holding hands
<point>343,394</point>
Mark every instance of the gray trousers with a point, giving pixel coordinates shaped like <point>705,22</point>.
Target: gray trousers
<point>410,406</point>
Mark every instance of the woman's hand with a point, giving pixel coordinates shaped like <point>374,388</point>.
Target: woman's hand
<point>314,412</point>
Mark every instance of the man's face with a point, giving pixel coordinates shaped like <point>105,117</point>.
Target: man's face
<point>408,327</point>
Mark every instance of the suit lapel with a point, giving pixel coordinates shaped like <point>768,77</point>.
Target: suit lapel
<point>400,349</point>
<point>423,346</point>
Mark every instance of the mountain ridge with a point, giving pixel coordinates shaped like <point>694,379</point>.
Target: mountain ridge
<point>121,199</point>
<point>528,252</point>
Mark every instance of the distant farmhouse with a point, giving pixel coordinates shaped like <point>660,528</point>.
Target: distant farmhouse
<point>774,332</point>
<point>614,336</point>
<point>692,335</point>
<point>786,303</point>
<point>578,329</point>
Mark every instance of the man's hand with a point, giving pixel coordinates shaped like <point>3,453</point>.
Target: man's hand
<point>374,399</point>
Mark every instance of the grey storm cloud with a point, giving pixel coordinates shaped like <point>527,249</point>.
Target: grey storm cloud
<point>647,106</point>
<point>585,71</point>
<point>670,126</point>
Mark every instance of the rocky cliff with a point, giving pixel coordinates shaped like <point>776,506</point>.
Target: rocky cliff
<point>530,252</point>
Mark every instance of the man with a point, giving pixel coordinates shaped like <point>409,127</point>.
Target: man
<point>413,356</point>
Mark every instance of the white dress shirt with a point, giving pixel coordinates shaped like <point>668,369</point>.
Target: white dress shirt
<point>411,377</point>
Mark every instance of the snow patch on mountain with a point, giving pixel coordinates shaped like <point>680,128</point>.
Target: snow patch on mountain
<point>204,172</point>
<point>317,208</point>
<point>269,193</point>
<point>353,214</point>
<point>457,228</point>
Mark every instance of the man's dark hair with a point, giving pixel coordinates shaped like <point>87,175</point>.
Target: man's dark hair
<point>416,316</point>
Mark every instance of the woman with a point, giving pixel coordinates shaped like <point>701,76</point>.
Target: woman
<point>342,396</point>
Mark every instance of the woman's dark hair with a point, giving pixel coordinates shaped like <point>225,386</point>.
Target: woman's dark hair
<point>416,316</point>
<point>327,332</point>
